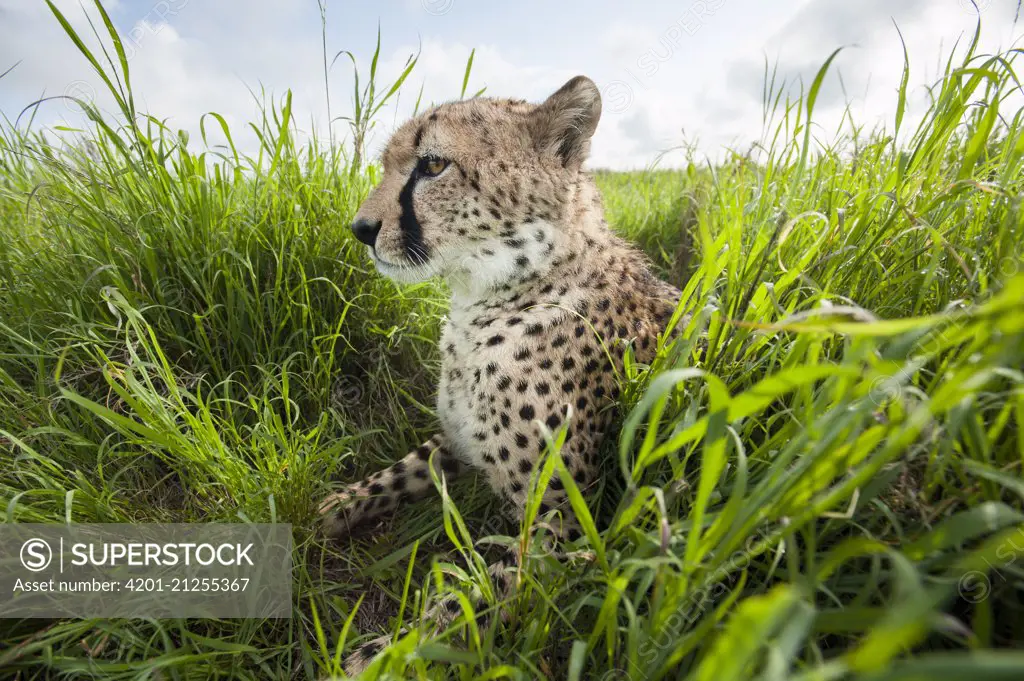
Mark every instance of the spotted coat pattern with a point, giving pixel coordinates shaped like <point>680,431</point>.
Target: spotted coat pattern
<point>545,298</point>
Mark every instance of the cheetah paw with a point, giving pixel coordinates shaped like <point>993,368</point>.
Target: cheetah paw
<point>361,657</point>
<point>334,518</point>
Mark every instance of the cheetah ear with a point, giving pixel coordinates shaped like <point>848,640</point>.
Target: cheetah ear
<point>563,125</point>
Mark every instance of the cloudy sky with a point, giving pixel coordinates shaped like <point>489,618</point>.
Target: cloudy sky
<point>672,72</point>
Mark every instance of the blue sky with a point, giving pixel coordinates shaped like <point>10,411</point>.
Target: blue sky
<point>672,72</point>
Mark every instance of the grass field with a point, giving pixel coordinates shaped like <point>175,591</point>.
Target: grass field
<point>832,490</point>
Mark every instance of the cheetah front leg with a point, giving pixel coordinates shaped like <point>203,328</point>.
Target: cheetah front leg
<point>382,492</point>
<point>440,615</point>
<point>562,524</point>
<point>555,513</point>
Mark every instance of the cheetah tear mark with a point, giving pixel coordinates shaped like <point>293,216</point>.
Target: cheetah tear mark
<point>412,232</point>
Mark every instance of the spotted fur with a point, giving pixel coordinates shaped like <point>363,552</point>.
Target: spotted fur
<point>545,298</point>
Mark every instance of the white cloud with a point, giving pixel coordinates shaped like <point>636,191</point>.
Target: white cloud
<point>675,94</point>
<point>666,80</point>
<point>176,75</point>
<point>441,69</point>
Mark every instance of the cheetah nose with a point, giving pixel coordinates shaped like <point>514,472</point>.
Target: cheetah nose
<point>366,230</point>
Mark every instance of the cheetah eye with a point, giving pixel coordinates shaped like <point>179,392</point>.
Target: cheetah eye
<point>431,166</point>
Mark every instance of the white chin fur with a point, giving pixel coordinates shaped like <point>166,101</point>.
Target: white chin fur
<point>403,274</point>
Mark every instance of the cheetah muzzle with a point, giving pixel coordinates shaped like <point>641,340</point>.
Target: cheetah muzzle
<point>490,195</point>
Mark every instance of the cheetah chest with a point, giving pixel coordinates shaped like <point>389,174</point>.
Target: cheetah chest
<point>496,379</point>
<point>470,401</point>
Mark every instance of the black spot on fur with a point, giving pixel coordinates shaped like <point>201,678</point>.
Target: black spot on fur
<point>449,464</point>
<point>370,648</point>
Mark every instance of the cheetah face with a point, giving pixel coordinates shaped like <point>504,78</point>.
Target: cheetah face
<point>477,191</point>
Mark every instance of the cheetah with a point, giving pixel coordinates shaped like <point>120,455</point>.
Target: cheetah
<point>491,195</point>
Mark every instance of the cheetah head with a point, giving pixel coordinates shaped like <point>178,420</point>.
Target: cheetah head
<point>478,191</point>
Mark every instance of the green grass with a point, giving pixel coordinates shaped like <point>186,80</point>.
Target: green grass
<point>832,488</point>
